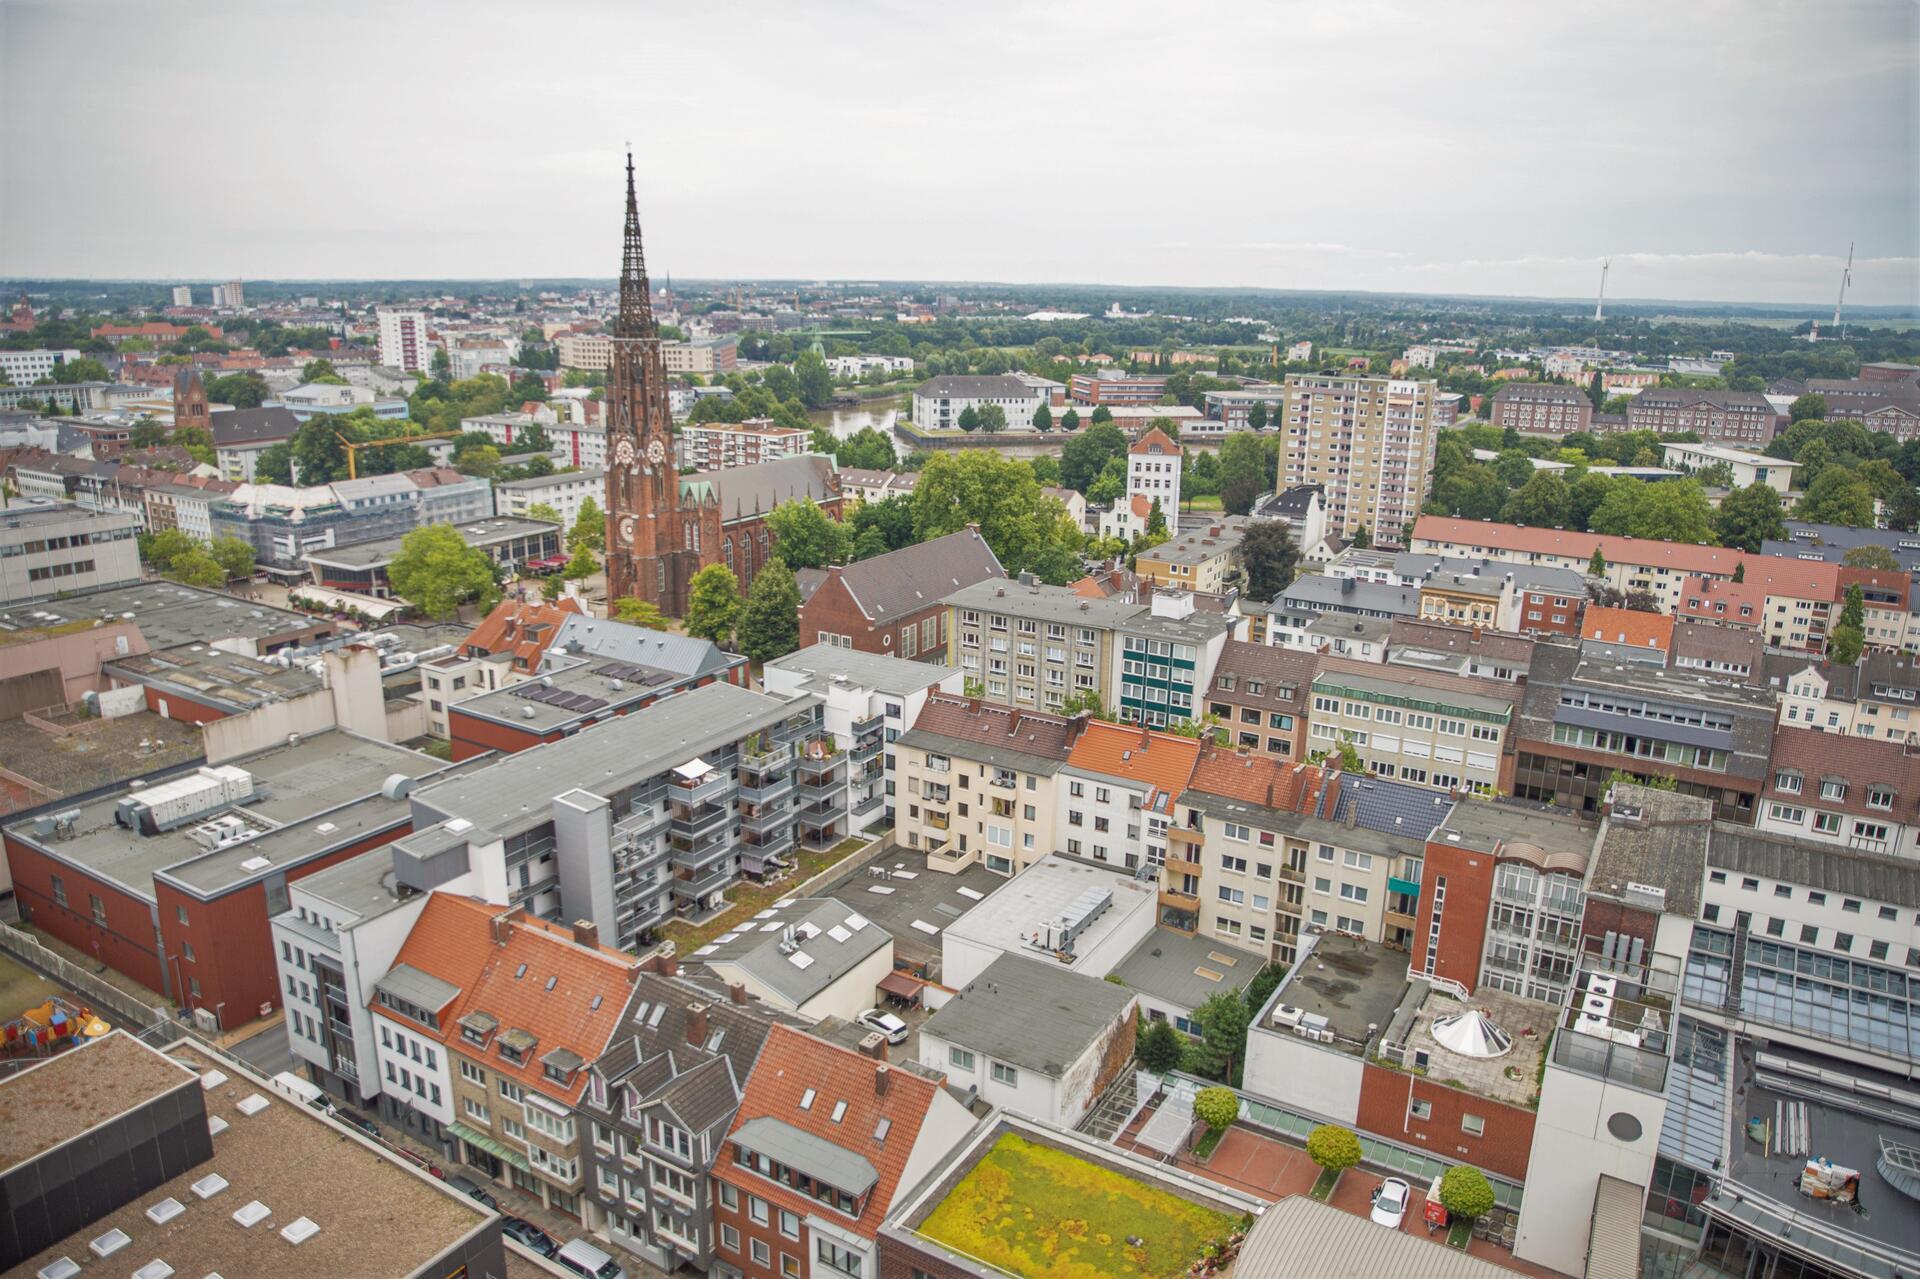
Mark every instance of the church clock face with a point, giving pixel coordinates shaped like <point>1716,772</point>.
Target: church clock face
<point>626,531</point>
<point>655,452</point>
<point>623,454</point>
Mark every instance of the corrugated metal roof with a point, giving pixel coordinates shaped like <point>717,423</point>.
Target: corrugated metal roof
<point>1298,1236</point>
<point>1613,1245</point>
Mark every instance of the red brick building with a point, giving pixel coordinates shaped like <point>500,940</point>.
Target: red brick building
<point>1720,417</point>
<point>890,604</point>
<point>1092,389</point>
<point>1542,408</point>
<point>819,1147</point>
<point>173,883</point>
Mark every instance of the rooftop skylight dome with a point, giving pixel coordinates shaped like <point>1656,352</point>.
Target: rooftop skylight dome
<point>1472,1033</point>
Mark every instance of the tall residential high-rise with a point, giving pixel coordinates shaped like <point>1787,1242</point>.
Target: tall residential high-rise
<point>182,295</point>
<point>1369,441</point>
<point>656,530</point>
<point>236,294</point>
<point>403,340</point>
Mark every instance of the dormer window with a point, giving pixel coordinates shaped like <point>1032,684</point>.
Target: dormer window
<point>1879,797</point>
<point>516,1046</point>
<point>1787,781</point>
<point>1833,788</point>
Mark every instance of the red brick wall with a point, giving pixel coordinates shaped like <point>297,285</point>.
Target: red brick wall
<point>899,1260</point>
<point>832,609</point>
<point>125,942</point>
<point>800,1249</point>
<point>183,709</point>
<point>1463,919</point>
<point>1541,602</point>
<point>1603,917</point>
<point>232,941</point>
<point>1501,1148</point>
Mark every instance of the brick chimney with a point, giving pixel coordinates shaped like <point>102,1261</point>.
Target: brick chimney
<point>696,1024</point>
<point>586,933</point>
<point>874,1045</point>
<point>882,1074</point>
<point>737,992</point>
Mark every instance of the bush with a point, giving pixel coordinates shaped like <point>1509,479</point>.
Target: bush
<point>1158,1047</point>
<point>1464,1192</point>
<point>1218,1107</point>
<point>1333,1147</point>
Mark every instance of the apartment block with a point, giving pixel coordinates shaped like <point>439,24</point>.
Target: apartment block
<point>1718,417</point>
<point>1421,727</point>
<point>1033,645</point>
<point>58,549</point>
<point>1369,441</point>
<point>641,818</point>
<point>588,352</point>
<point>1875,698</point>
<point>1542,408</point>
<point>1259,699</point>
<point>1853,792</point>
<point>707,356</point>
<point>938,402</point>
<point>404,343</point>
<point>1632,564</point>
<point>1166,655</point>
<point>1118,788</point>
<point>1089,389</point>
<point>711,446</point>
<point>564,491</point>
<point>1746,466</point>
<point>486,1022</point>
<point>976,783</point>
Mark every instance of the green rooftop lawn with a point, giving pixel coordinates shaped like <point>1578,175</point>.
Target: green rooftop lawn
<point>1042,1214</point>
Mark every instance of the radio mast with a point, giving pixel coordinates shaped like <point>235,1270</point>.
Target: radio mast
<point>1600,307</point>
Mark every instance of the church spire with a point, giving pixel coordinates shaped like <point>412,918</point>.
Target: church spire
<point>636,306</point>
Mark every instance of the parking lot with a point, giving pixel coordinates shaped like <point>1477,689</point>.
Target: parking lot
<point>897,891</point>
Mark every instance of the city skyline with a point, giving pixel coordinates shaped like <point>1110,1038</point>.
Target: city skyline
<point>1041,147</point>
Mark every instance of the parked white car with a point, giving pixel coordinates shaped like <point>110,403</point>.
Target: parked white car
<point>1390,1203</point>
<point>886,1023</point>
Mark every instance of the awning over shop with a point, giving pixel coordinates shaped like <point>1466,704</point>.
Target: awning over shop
<point>481,1141</point>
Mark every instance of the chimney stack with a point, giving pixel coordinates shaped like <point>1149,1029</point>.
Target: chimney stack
<point>737,992</point>
<point>666,965</point>
<point>874,1045</point>
<point>586,934</point>
<point>696,1024</point>
<point>882,1074</point>
<point>503,927</point>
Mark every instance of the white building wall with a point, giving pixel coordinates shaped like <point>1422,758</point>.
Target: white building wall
<point>1032,1094</point>
<point>1577,1138</point>
<point>413,1068</point>
<point>1303,1074</point>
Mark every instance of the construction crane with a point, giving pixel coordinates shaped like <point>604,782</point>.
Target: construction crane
<point>353,447</point>
<point>1846,278</point>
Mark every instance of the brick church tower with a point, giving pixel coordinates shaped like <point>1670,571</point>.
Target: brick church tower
<point>657,538</point>
<point>190,406</point>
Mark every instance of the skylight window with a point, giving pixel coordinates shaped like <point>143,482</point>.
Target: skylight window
<point>839,1111</point>
<point>806,1099</point>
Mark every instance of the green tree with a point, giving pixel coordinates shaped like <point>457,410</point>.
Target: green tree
<point>816,384</point>
<point>993,419</point>
<point>1749,516</point>
<point>1597,566</point>
<point>1046,469</point>
<point>1739,572</point>
<point>1026,528</point>
<point>234,556</point>
<point>1159,1047</point>
<point>84,369</point>
<point>1332,1147</point>
<point>589,527</point>
<point>146,434</point>
<point>713,603</point>
<point>323,372</point>
<point>1363,538</point>
<point>807,537</point>
<point>1808,407</point>
<point>1513,467</point>
<point>1101,413</point>
<point>1269,558</point>
<point>1111,485</point>
<point>969,419</point>
<point>1838,496</point>
<point>1542,502</point>
<point>1223,1020</point>
<point>1257,416</point>
<point>1584,497</point>
<point>1157,522</point>
<point>1243,471</point>
<point>770,620</point>
<point>866,449</point>
<point>1597,391</point>
<point>1853,612</point>
<point>635,611</point>
<point>869,542</point>
<point>581,564</point>
<point>479,460</point>
<point>442,365</point>
<point>160,549</point>
<point>1871,556</point>
<point>543,511</point>
<point>318,457</point>
<point>274,465</point>
<point>892,519</point>
<point>197,568</point>
<point>1465,1192</point>
<point>780,382</point>
<point>1217,1108</point>
<point>436,572</point>
<point>241,390</point>
<point>1086,455</point>
<point>1844,645</point>
<point>1043,418</point>
<point>1070,420</point>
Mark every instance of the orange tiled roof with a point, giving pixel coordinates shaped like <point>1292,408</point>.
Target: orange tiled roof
<point>1712,600</point>
<point>524,629</point>
<point>1163,760</point>
<point>1628,626</point>
<point>1254,779</point>
<point>538,980</point>
<point>793,1063</point>
<point>1152,436</point>
<point>1682,556</point>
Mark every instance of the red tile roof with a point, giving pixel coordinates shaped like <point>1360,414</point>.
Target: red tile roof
<point>1281,785</point>
<point>539,979</point>
<point>1859,761</point>
<point>1884,588</point>
<point>1713,600</point>
<point>793,1064</point>
<point>1163,760</point>
<point>1628,626</point>
<point>524,629</point>
<point>1482,535</point>
<point>1154,436</point>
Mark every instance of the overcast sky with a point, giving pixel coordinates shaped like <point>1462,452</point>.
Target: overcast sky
<point>1714,149</point>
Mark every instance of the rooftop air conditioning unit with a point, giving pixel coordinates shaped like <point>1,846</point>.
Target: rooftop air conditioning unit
<point>1287,1015</point>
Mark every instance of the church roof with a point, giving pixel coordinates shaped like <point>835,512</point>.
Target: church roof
<point>743,492</point>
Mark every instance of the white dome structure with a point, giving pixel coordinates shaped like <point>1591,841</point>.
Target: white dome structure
<point>1471,1034</point>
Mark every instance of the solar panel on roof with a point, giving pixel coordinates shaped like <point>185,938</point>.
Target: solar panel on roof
<point>656,679</point>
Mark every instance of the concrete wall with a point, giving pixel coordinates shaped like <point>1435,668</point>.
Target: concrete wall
<point>854,993</point>
<point>75,659</point>
<point>1572,1149</point>
<point>407,720</point>
<point>1303,1074</point>
<point>353,677</point>
<point>267,725</point>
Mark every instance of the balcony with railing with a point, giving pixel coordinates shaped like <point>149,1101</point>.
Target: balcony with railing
<point>767,843</point>
<point>793,729</point>
<point>869,804</point>
<point>690,888</point>
<point>818,835</point>
<point>874,723</point>
<point>708,787</point>
<point>761,787</point>
<point>757,752</point>
<point>936,792</point>
<point>764,817</point>
<point>641,825</point>
<point>867,748</point>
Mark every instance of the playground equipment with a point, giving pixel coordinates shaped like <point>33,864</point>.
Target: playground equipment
<point>48,1028</point>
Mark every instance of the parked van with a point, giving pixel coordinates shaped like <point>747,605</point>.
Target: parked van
<point>583,1258</point>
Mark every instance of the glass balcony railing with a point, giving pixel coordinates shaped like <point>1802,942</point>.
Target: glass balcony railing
<point>710,787</point>
<point>765,755</point>
<point>765,789</point>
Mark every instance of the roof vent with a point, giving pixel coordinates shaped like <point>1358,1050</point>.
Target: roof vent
<point>302,1229</point>
<point>253,1214</point>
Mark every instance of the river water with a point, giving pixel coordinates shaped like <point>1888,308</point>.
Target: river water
<point>880,415</point>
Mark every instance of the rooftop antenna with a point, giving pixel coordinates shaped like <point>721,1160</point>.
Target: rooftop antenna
<point>1846,278</point>
<point>1600,306</point>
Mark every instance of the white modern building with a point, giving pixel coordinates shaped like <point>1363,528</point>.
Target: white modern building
<point>564,491</point>
<point>843,366</point>
<point>24,368</point>
<point>403,341</point>
<point>868,700</point>
<point>938,402</point>
<point>182,295</point>
<point>1153,473</point>
<point>49,549</point>
<point>1746,467</point>
<point>1061,910</point>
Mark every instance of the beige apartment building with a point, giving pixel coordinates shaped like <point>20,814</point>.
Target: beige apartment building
<point>977,783</point>
<point>1368,440</point>
<point>590,352</point>
<point>1027,644</point>
<point>1425,728</point>
<point>1263,851</point>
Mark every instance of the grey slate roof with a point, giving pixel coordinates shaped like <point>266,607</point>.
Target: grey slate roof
<point>1319,594</point>
<point>421,989</point>
<point>1171,966</point>
<point>1831,542</point>
<point>917,577</point>
<point>1744,850</point>
<point>1001,735</point>
<point>1031,1013</point>
<point>964,386</point>
<point>624,642</point>
<point>241,427</point>
<point>1043,603</point>
<point>795,1147</point>
<point>755,946</point>
<point>649,1055</point>
<point>758,487</point>
<point>516,793</point>
<point>1664,847</point>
